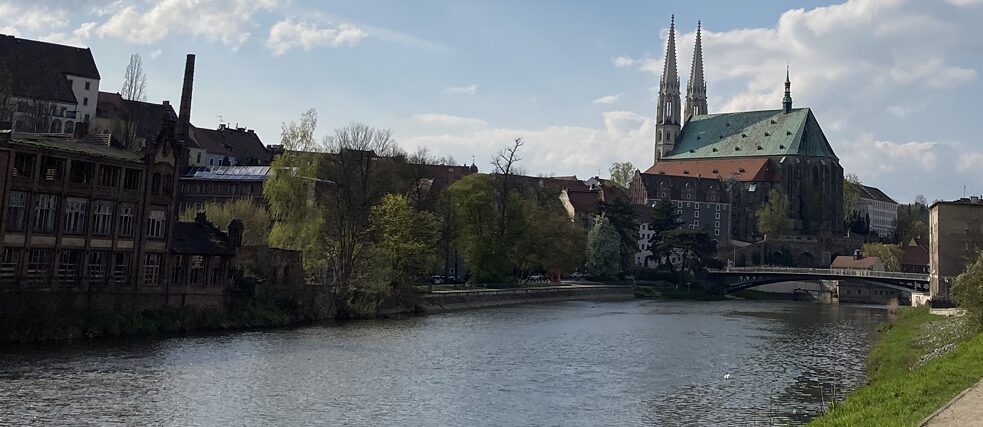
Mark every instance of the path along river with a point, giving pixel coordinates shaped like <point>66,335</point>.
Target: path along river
<point>563,364</point>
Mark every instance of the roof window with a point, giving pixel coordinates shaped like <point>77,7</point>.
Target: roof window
<point>737,148</point>
<point>743,135</point>
<point>715,171</point>
<point>767,134</point>
<point>788,132</point>
<point>759,147</point>
<point>714,149</point>
<point>781,147</point>
<point>773,122</point>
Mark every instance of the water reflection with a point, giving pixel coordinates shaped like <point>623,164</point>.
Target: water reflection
<point>576,363</point>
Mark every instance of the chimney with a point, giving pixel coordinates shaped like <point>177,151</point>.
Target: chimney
<point>857,254</point>
<point>166,103</point>
<point>235,234</point>
<point>184,117</point>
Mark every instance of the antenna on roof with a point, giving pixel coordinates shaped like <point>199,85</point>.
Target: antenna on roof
<point>220,119</point>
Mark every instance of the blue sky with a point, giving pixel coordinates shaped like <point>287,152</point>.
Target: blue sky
<point>895,83</point>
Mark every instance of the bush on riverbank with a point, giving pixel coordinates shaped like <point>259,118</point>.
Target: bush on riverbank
<point>911,374</point>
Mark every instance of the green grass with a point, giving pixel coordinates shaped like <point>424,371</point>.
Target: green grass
<point>901,393</point>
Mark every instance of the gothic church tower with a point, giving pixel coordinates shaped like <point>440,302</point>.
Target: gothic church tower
<point>667,122</point>
<point>696,88</point>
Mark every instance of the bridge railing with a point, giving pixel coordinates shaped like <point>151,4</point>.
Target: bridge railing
<point>846,272</point>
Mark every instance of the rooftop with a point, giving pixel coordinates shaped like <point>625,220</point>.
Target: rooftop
<point>226,173</point>
<point>748,169</point>
<point>240,143</point>
<point>752,133</point>
<point>852,262</point>
<point>39,69</point>
<point>68,145</point>
<point>874,193</point>
<point>200,238</point>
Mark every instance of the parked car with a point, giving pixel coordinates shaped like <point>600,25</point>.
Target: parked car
<point>576,275</point>
<point>536,278</point>
<point>437,279</point>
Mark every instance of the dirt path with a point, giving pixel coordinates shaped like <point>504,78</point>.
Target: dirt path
<point>966,409</point>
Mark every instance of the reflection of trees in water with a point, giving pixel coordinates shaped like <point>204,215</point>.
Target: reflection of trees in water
<point>799,354</point>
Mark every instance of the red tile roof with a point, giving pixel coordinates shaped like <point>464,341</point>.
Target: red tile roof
<point>743,169</point>
<point>875,193</point>
<point>865,263</point>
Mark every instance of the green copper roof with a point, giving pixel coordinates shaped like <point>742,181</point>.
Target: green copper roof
<point>751,134</point>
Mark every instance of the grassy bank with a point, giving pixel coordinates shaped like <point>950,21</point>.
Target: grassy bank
<point>920,362</point>
<point>54,325</point>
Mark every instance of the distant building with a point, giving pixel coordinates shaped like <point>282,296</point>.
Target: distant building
<point>858,262</point>
<point>126,123</point>
<point>701,203</point>
<point>914,256</point>
<point>53,87</point>
<point>879,209</point>
<point>955,239</point>
<point>203,184</point>
<point>227,146</point>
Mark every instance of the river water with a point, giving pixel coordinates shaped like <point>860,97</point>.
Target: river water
<point>558,364</point>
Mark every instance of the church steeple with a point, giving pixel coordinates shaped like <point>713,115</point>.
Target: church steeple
<point>787,102</point>
<point>696,88</point>
<point>667,121</point>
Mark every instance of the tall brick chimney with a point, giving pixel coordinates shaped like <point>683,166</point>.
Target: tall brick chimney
<point>184,116</point>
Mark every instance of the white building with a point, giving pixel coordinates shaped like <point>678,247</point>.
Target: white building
<point>881,210</point>
<point>53,87</point>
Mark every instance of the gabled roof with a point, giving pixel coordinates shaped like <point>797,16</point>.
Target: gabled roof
<point>239,143</point>
<point>915,253</point>
<point>752,133</point>
<point>38,69</point>
<point>200,238</point>
<point>756,169</point>
<point>875,194</point>
<point>851,262</point>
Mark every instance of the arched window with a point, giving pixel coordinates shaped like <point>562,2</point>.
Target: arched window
<point>69,127</point>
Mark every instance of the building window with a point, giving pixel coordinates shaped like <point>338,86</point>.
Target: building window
<point>69,127</point>
<point>156,223</point>
<point>717,215</point>
<point>81,172</point>
<point>24,165</point>
<point>88,85</point>
<point>216,276</point>
<point>716,224</point>
<point>44,213</point>
<point>126,221</point>
<point>155,184</point>
<point>696,222</point>
<point>199,158</point>
<point>68,266</point>
<point>697,205</point>
<point>177,276</point>
<point>197,270</point>
<point>168,184</point>
<point>9,260</point>
<point>151,270</point>
<point>108,176</point>
<point>85,101</point>
<point>716,232</point>
<point>131,179</point>
<point>95,269</point>
<point>679,212</point>
<point>38,266</point>
<point>696,214</point>
<point>121,268</point>
<point>16,210</point>
<point>86,118</point>
<point>52,169</point>
<point>74,215</point>
<point>102,218</point>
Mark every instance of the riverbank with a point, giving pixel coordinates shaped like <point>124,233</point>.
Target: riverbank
<point>920,362</point>
<point>453,300</point>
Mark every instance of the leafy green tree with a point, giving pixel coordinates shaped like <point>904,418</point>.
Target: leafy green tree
<point>851,194</point>
<point>603,249</point>
<point>890,254</point>
<point>478,237</point>
<point>665,218</point>
<point>968,293</point>
<point>624,218</point>
<point>773,215</point>
<point>695,247</point>
<point>912,220</point>
<point>550,240</point>
<point>405,239</point>
<point>255,219</point>
<point>622,173</point>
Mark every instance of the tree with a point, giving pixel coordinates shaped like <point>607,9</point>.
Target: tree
<point>624,219</point>
<point>479,238</point>
<point>603,249</point>
<point>135,80</point>
<point>405,239</point>
<point>968,293</point>
<point>773,215</point>
<point>255,219</point>
<point>665,218</point>
<point>912,221</point>
<point>622,173</point>
<point>851,194</point>
<point>889,254</point>
<point>695,248</point>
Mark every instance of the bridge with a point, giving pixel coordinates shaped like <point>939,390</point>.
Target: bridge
<point>739,278</point>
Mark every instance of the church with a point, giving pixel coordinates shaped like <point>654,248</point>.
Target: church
<point>746,154</point>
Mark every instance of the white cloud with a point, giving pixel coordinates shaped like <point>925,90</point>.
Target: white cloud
<point>31,17</point>
<point>289,34</point>
<point>462,90</point>
<point>449,120</point>
<point>623,61</point>
<point>156,54</point>
<point>227,21</point>
<point>609,99</point>
<point>77,37</point>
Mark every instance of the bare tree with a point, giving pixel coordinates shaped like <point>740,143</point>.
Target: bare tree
<point>135,80</point>
<point>505,165</point>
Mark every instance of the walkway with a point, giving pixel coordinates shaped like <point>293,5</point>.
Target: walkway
<point>965,410</point>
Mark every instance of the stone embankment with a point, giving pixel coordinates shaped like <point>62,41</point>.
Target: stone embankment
<point>439,301</point>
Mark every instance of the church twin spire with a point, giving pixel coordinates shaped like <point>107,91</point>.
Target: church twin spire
<point>696,88</point>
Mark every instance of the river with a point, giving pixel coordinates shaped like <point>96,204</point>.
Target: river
<point>558,364</point>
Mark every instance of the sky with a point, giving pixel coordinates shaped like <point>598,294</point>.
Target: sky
<point>895,84</point>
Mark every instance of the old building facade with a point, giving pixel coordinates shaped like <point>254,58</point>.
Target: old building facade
<point>955,239</point>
